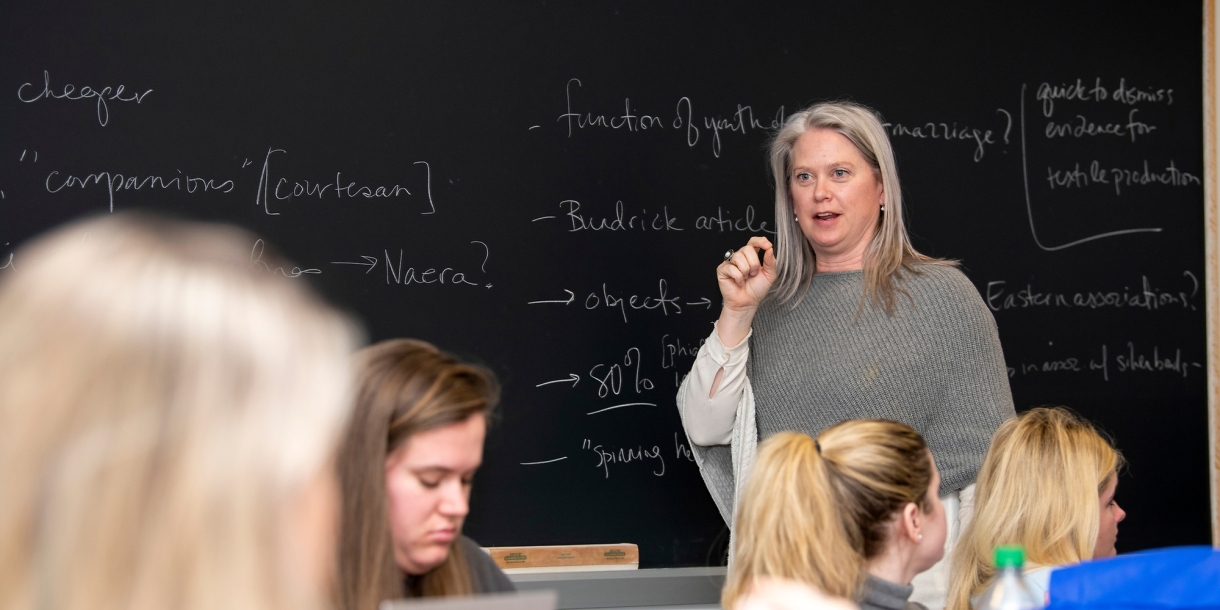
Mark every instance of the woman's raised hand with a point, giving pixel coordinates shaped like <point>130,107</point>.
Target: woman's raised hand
<point>744,281</point>
<point>744,278</point>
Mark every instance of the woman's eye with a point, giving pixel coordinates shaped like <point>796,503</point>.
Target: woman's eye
<point>430,484</point>
<point>467,482</point>
<point>839,173</point>
<point>803,176</point>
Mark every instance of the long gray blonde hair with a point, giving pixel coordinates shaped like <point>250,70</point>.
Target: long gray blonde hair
<point>890,252</point>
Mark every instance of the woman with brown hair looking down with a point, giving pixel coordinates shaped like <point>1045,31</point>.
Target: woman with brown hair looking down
<point>405,468</point>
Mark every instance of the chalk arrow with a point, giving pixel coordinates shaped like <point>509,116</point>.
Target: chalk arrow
<point>573,377</point>
<point>369,261</point>
<point>705,301</point>
<point>571,297</point>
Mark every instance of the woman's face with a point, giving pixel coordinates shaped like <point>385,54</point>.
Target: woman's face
<point>931,548</point>
<point>1111,514</point>
<point>427,482</point>
<point>836,197</point>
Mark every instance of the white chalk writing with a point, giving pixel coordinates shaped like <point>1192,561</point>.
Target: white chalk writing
<point>1146,296</point>
<point>284,189</point>
<point>257,264</point>
<point>116,182</point>
<point>624,455</point>
<point>1078,91</point>
<point>70,92</point>
<point>1119,177</point>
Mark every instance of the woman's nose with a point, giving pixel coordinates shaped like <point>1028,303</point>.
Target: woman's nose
<point>454,502</point>
<point>1122,514</point>
<point>821,192</point>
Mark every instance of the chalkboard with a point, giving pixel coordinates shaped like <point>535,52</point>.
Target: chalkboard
<point>547,188</point>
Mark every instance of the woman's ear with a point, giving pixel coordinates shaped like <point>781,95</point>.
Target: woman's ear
<point>911,522</point>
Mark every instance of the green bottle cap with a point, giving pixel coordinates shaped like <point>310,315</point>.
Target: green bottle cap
<point>1011,555</point>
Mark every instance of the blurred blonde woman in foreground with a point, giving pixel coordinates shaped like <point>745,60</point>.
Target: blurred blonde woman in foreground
<point>1047,484</point>
<point>168,420</point>
<point>854,513</point>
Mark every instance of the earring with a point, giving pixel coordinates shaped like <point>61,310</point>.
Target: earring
<point>883,207</point>
<point>795,219</point>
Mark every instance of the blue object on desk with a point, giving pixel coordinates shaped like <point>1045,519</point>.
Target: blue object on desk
<point>1177,577</point>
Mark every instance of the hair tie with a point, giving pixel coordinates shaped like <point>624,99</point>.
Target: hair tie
<point>818,446</point>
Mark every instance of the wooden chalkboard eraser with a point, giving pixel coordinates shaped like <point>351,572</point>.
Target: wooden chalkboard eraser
<point>566,558</point>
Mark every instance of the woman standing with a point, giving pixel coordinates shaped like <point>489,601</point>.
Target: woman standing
<point>842,319</point>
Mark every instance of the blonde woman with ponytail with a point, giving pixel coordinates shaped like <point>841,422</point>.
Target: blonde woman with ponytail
<point>1047,484</point>
<point>853,513</point>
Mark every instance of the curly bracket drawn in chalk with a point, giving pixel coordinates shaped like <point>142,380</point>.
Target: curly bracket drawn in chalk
<point>1029,208</point>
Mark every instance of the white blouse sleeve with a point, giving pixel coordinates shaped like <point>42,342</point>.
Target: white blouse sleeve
<point>710,417</point>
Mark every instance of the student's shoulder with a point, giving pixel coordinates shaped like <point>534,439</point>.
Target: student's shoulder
<point>1039,579</point>
<point>485,575</point>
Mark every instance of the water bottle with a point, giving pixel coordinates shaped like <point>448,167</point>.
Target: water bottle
<point>1008,590</point>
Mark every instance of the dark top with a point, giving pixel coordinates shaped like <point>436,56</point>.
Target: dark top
<point>485,575</point>
<point>880,594</point>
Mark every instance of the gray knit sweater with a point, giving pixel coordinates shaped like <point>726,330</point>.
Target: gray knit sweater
<point>878,594</point>
<point>936,364</point>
